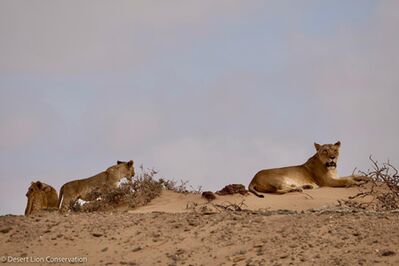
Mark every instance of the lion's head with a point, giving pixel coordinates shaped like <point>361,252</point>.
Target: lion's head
<point>328,154</point>
<point>125,169</point>
<point>37,187</point>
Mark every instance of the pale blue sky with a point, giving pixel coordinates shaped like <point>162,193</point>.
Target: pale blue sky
<point>205,91</point>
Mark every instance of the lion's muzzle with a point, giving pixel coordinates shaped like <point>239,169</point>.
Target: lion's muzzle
<point>331,165</point>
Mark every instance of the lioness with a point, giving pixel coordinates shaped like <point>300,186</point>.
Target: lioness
<point>40,196</point>
<point>319,170</point>
<point>80,189</point>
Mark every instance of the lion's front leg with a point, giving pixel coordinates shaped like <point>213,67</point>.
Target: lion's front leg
<point>357,180</point>
<point>347,181</point>
<point>361,178</point>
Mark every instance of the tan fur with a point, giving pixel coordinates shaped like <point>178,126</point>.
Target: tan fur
<point>319,170</point>
<point>40,196</point>
<point>80,189</point>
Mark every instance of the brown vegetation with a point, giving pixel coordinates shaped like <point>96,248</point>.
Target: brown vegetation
<point>382,193</point>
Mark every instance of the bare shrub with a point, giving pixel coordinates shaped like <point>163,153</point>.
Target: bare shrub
<point>232,206</point>
<point>181,187</point>
<point>144,188</point>
<point>383,189</point>
<point>211,208</point>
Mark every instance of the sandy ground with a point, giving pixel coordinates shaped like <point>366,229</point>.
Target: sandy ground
<point>317,198</point>
<point>165,232</point>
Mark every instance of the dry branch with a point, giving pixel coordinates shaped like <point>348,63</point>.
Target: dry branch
<point>383,189</point>
<point>231,206</point>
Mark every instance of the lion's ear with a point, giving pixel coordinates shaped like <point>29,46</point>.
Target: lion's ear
<point>39,185</point>
<point>119,162</point>
<point>338,144</point>
<point>130,163</point>
<point>317,146</point>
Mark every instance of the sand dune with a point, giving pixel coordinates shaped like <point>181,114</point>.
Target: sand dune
<point>173,202</point>
<point>166,232</point>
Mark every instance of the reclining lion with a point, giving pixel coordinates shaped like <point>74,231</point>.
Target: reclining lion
<point>40,196</point>
<point>80,189</point>
<point>319,170</point>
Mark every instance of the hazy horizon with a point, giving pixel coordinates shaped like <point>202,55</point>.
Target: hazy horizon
<point>204,91</point>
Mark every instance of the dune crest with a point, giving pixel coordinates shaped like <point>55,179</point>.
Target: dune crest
<point>172,202</point>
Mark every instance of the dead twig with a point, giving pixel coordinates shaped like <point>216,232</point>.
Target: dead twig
<point>232,206</point>
<point>383,188</point>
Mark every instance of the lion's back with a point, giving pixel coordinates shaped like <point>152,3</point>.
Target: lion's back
<point>284,175</point>
<point>52,198</point>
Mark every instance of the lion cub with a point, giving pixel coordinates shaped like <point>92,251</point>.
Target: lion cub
<point>319,170</point>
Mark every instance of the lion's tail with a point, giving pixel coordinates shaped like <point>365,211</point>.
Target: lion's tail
<point>60,197</point>
<point>252,189</point>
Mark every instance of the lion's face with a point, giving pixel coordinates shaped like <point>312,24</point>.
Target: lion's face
<point>328,154</point>
<point>127,169</point>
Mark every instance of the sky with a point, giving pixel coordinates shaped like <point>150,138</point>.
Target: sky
<point>205,91</point>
